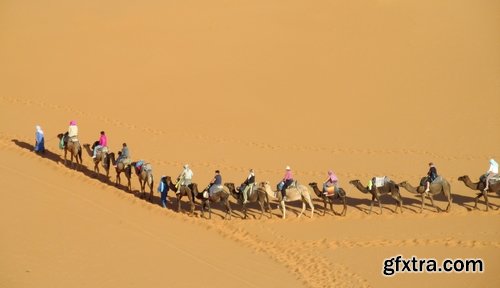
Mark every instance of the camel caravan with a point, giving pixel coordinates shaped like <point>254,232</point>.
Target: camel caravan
<point>288,190</point>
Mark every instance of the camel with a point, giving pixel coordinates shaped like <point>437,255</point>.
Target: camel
<point>292,194</point>
<point>100,157</point>
<point>121,167</point>
<point>434,189</point>
<point>329,198</point>
<point>218,196</point>
<point>190,191</point>
<point>73,147</point>
<point>493,188</point>
<point>389,188</point>
<point>145,175</point>
<point>256,195</point>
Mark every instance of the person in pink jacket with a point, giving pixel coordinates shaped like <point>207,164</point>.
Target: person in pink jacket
<point>103,142</point>
<point>332,180</point>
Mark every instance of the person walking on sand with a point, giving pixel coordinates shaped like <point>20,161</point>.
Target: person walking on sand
<point>431,176</point>
<point>185,178</point>
<point>493,171</point>
<point>163,189</point>
<point>103,142</point>
<point>39,140</point>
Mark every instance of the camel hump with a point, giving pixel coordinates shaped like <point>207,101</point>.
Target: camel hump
<point>439,179</point>
<point>147,167</point>
<point>73,139</point>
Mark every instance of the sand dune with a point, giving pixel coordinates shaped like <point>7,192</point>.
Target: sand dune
<point>367,88</point>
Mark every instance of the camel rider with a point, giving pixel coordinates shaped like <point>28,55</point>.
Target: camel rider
<point>125,155</point>
<point>185,178</point>
<point>73,130</point>
<point>39,140</point>
<point>331,181</point>
<point>493,171</point>
<point>71,134</point>
<point>431,176</point>
<point>287,181</point>
<point>216,183</point>
<point>103,142</point>
<point>248,185</point>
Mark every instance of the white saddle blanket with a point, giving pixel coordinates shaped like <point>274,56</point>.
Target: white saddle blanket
<point>380,181</point>
<point>495,178</point>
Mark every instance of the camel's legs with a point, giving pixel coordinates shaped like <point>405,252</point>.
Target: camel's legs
<point>399,203</point>
<point>371,204</point>
<point>379,204</point>
<point>449,205</point>
<point>269,209</point>
<point>477,199</point>
<point>344,211</point>
<point>312,207</point>
<point>282,204</point>
<point>432,202</point>
<point>179,202</point>
<point>209,210</point>
<point>261,204</point>
<point>191,201</point>
<point>303,207</point>
<point>228,206</point>
<point>486,199</point>
<point>331,207</point>
<point>324,206</point>
<point>422,200</point>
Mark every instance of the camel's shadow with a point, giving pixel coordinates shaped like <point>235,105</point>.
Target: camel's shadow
<point>388,203</point>
<point>319,206</point>
<point>47,154</point>
<point>56,158</point>
<point>468,201</point>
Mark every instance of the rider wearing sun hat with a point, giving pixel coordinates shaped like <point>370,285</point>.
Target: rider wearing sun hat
<point>287,181</point>
<point>332,180</point>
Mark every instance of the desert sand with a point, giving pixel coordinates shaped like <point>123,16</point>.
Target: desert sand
<point>366,88</point>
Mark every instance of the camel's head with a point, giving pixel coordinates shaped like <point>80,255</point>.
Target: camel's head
<point>264,184</point>
<point>313,184</point>
<point>230,186</point>
<point>404,183</point>
<point>354,182</point>
<point>462,178</point>
<point>168,179</point>
<point>86,145</point>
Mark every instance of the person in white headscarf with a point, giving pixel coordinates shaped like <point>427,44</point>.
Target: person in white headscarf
<point>185,178</point>
<point>39,140</point>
